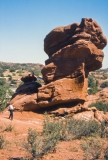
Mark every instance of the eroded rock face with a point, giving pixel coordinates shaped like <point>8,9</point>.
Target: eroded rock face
<point>73,51</point>
<point>61,91</point>
<point>61,37</point>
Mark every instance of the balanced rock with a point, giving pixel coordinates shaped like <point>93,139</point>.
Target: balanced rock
<point>73,52</point>
<point>61,37</point>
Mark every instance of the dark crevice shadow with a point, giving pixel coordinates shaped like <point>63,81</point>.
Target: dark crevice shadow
<point>55,107</point>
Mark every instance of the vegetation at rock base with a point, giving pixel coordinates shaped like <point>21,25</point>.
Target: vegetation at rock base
<point>91,136</point>
<point>9,128</point>
<point>100,105</point>
<point>106,154</point>
<point>39,144</point>
<point>93,85</point>
<point>10,78</point>
<point>5,93</point>
<point>2,141</point>
<point>104,84</point>
<point>92,148</point>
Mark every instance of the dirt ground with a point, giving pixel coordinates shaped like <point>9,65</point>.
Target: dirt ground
<point>14,150</point>
<point>21,123</point>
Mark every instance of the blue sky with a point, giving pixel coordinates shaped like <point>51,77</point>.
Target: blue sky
<point>25,23</point>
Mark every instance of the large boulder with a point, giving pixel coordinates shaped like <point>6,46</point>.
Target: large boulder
<point>25,102</point>
<point>62,91</point>
<point>60,37</point>
<point>71,60</point>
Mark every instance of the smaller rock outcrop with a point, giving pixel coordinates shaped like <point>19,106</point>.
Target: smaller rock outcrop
<point>99,96</point>
<point>25,97</point>
<point>28,78</point>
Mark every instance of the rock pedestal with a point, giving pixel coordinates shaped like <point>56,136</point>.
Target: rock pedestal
<point>73,52</point>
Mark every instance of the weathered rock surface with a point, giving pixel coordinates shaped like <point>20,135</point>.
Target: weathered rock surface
<point>26,102</point>
<point>73,52</point>
<point>99,96</point>
<point>63,91</point>
<point>72,61</point>
<point>91,115</point>
<point>100,116</point>
<point>60,37</point>
<point>87,116</point>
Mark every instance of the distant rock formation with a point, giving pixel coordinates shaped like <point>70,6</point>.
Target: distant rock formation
<point>73,51</point>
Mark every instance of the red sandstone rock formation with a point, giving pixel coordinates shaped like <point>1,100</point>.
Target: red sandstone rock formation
<point>73,52</point>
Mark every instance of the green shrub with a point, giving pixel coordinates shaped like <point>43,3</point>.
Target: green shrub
<point>10,77</point>
<point>104,129</point>
<point>93,90</point>
<point>34,143</point>
<point>79,128</point>
<point>39,144</point>
<point>92,149</point>
<point>2,81</point>
<point>9,128</point>
<point>12,69</point>
<point>104,84</point>
<point>52,133</point>
<point>106,154</point>
<point>32,137</point>
<point>55,129</point>
<point>91,82</point>
<point>93,85</point>
<point>1,73</point>
<point>2,141</point>
<point>101,106</point>
<point>4,93</point>
<point>49,144</point>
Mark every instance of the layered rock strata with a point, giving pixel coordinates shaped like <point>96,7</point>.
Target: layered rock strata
<point>73,51</point>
